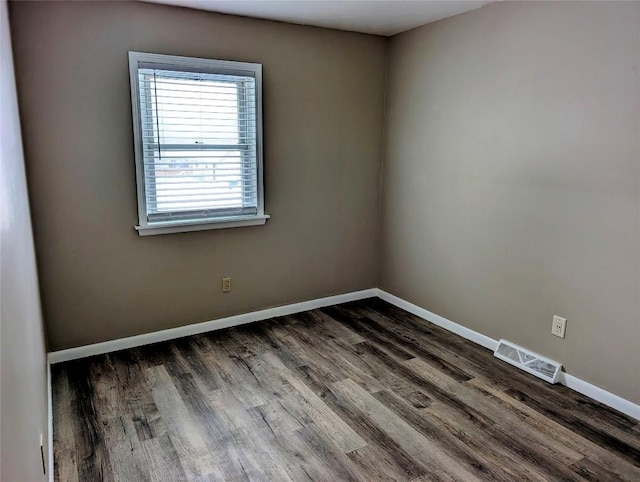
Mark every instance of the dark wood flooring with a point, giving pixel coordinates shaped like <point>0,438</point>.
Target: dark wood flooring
<point>360,391</point>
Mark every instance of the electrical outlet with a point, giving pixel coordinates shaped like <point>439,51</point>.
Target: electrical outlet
<point>559,326</point>
<point>226,285</point>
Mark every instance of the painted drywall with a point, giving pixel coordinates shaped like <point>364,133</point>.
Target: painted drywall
<point>23,382</point>
<point>511,187</point>
<point>323,110</point>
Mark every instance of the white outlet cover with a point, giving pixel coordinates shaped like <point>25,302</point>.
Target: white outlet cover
<point>559,326</point>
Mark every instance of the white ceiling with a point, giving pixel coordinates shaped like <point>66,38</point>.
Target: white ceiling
<point>381,17</point>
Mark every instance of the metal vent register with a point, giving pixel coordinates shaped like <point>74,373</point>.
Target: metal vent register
<point>528,361</point>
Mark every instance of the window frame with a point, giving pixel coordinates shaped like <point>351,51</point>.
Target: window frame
<point>173,62</point>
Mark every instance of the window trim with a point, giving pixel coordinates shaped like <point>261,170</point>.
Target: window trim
<point>146,228</point>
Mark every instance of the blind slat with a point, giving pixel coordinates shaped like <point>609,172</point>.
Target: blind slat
<point>195,190</point>
<point>208,202</point>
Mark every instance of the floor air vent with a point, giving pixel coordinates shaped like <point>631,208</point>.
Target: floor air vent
<point>528,361</point>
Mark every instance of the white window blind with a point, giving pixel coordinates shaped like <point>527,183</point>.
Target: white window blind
<point>198,140</point>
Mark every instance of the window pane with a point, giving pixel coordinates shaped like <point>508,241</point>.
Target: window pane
<point>208,109</point>
<point>200,112</point>
<point>200,180</point>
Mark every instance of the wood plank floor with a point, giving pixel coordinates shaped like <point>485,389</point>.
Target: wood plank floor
<point>359,391</point>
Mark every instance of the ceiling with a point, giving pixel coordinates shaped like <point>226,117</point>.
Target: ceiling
<point>381,17</point>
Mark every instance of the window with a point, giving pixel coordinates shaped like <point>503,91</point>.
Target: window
<point>198,143</point>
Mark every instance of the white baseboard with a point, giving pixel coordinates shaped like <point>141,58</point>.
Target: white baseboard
<point>449,325</point>
<point>206,326</point>
<point>49,461</point>
<point>610,399</point>
<point>577,384</point>
<point>570,381</point>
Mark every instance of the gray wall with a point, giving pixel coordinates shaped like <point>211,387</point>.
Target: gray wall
<point>23,385</point>
<point>511,179</point>
<point>323,109</point>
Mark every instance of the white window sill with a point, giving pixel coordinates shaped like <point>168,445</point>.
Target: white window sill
<point>201,225</point>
